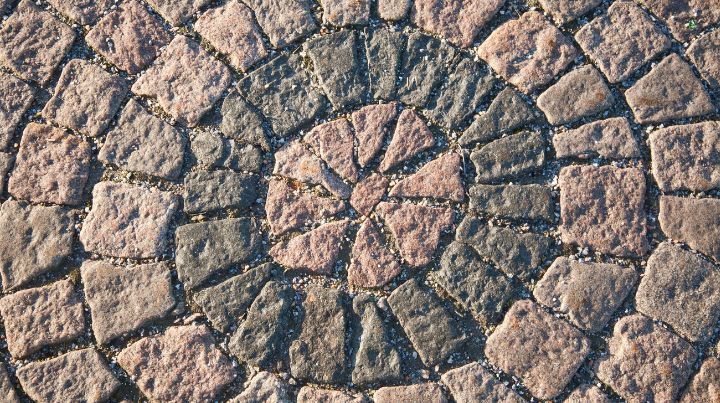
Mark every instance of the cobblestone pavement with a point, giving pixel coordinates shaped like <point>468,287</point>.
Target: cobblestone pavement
<point>351,201</point>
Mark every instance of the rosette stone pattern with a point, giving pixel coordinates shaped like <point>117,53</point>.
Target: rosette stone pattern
<point>348,201</point>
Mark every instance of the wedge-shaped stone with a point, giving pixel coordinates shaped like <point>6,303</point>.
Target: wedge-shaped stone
<point>217,190</point>
<point>372,263</point>
<point>384,51</point>
<point>368,193</point>
<point>295,161</point>
<point>15,98</point>
<point>333,142</point>
<point>507,112</point>
<point>473,383</point>
<point>693,221</point>
<point>316,251</point>
<point>578,94</point>
<point>287,209</point>
<point>426,63</point>
<point>411,137</point>
<point>509,156</point>
<point>610,138</point>
<point>371,125</point>
<point>376,359</point>
<point>457,21</point>
<point>519,202</point>
<point>438,179</point>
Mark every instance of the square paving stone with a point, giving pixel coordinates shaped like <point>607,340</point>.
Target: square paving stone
<point>384,52</point>
<point>284,21</point>
<point>185,80</point>
<point>125,299</point>
<point>129,37</point>
<point>144,143</point>
<point>177,12</point>
<point>86,98</point>
<point>695,222</point>
<point>473,383</point>
<point>564,11</point>
<point>426,62</point>
<point>705,385</point>
<point>622,40</point>
<point>15,98</point>
<point>343,13</point>
<point>704,53</point>
<point>86,12</point>
<point>458,21</point>
<point>42,317</point>
<point>51,166</point>
<point>528,52</point>
<point>645,363</point>
<point>588,293</point>
<point>6,164</point>
<point>129,221</point>
<point>35,240</point>
<point>180,364</point>
<point>210,191</point>
<point>232,30</point>
<point>685,18</point>
<point>604,208</point>
<point>32,56</point>
<point>509,157</point>
<point>610,138</point>
<point>421,392</point>
<point>518,202</point>
<point>540,349</point>
<point>578,94</point>
<point>78,376</point>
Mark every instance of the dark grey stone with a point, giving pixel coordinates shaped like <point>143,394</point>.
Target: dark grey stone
<point>242,122</point>
<point>520,202</point>
<point>509,156</point>
<point>427,61</point>
<point>210,191</point>
<point>384,51</point>
<point>376,360</point>
<point>214,151</point>
<point>507,112</point>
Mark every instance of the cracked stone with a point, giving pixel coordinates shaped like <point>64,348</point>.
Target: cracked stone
<point>422,393</point>
<point>295,161</point>
<point>393,10</point>
<point>473,383</point>
<point>587,394</point>
<point>212,150</point>
<point>372,263</point>
<point>309,394</point>
<point>427,61</point>
<point>210,191</point>
<point>241,122</point>
<point>338,64</point>
<point>86,12</point>
<point>372,124</point>
<point>578,94</point>
<point>384,51</point>
<point>287,209</point>
<point>705,386</point>
<point>564,11</point>
<point>343,13</point>
<point>459,21</point>
<point>440,179</point>
<point>411,137</point>
<point>333,142</point>
<point>610,138</point>
<point>264,387</point>
<point>15,98</point>
<point>178,12</point>
<point>376,359</point>
<point>518,202</point>
<point>315,251</point>
<point>509,156</point>
<point>368,193</point>
<point>704,53</point>
<point>507,112</point>
<point>695,222</point>
<point>688,18</point>
<point>284,21</point>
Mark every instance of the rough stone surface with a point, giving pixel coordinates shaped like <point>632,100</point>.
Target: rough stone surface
<point>15,98</point>
<point>411,137</point>
<point>508,111</point>
<point>6,387</point>
<point>185,80</point>
<point>704,53</point>
<point>144,143</point>
<point>427,62</point>
<point>687,18</point>
<point>180,364</point>
<point>372,263</point>
<point>473,383</point>
<point>393,10</point>
<point>32,56</point>
<point>705,385</point>
<point>588,293</point>
<point>126,299</point>
<point>36,240</point>
<point>376,359</point>
<point>284,21</point>
<point>430,325</point>
<point>579,93</point>
<point>42,317</point>
<point>540,349</point>
<point>242,122</point>
<point>438,179</point>
<point>86,98</point>
<point>459,22</point>
<point>610,138</point>
<point>371,124</point>
<point>210,191</point>
<point>264,387</point>
<point>6,164</point>
<point>178,11</point>
<point>564,11</point>
<point>669,91</point>
<point>603,208</point>
<point>384,51</point>
<point>79,376</point>
<point>333,142</point>
<point>86,12</point>
<point>368,193</point>
<point>309,394</point>
<point>129,37</point>
<point>50,167</point>
<point>128,221</point>
<point>695,222</point>
<point>287,209</point>
<point>420,393</point>
<point>622,40</point>
<point>645,361</point>
<point>346,12</point>
<point>518,202</point>
<point>295,161</point>
<point>509,156</point>
<point>206,248</point>
<point>587,394</point>
<point>315,251</point>
<point>212,150</point>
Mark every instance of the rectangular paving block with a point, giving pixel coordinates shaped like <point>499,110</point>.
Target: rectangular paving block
<point>384,51</point>
<point>425,64</point>
<point>216,190</point>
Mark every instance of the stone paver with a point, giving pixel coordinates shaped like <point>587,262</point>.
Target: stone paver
<point>6,387</point>
<point>603,208</point>
<point>692,221</point>
<point>144,143</point>
<point>286,209</point>
<point>333,142</point>
<point>368,193</point>
<point>528,52</point>
<point>578,94</point>
<point>518,202</point>
<point>264,387</point>
<point>507,112</point>
<point>212,150</point>
<point>125,299</point>
<point>473,383</point>
<point>128,221</point>
<point>439,179</point>
<point>86,12</point>
<point>81,375</point>
<point>51,166</point>
<point>645,361</point>
<point>284,21</point>
<point>346,12</point>
<point>371,128</point>
<point>393,10</point>
<point>129,37</point>
<point>564,11</point>
<point>316,251</point>
<point>372,263</point>
<point>509,156</point>
<point>210,191</point>
<point>185,80</point>
<point>6,164</point>
<point>705,385</point>
<point>308,394</point>
<point>297,162</point>
<point>540,349</point>
<point>426,63</point>
<point>411,137</point>
<point>42,317</point>
<point>704,53</point>
<point>459,22</point>
<point>86,98</point>
<point>376,359</point>
<point>587,394</point>
<point>687,18</point>
<point>384,51</point>
<point>178,12</point>
<point>609,138</point>
<point>242,122</point>
<point>622,40</point>
<point>16,96</point>
<point>420,393</point>
<point>180,364</point>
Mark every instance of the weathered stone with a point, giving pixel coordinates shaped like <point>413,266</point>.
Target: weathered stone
<point>430,325</point>
<point>15,99</point>
<point>426,63</point>
<point>180,364</point>
<point>420,393</point>
<point>309,394</point>
<point>86,12</point>
<point>578,94</point>
<point>371,124</point>
<point>6,386</point>
<point>411,137</point>
<point>508,111</point>
<point>540,349</point>
<point>241,122</point>
<point>232,30</point>
<point>372,263</point>
<point>206,248</point>
<point>478,287</point>
<point>51,166</point>
<point>32,56</point>
<point>669,91</point>
<point>226,302</point>
<point>528,52</point>
<point>129,37</point>
<point>587,394</point>
<point>86,98</point>
<point>457,21</point>
<point>622,40</point>
<point>440,179</point>
<point>264,387</point>
<point>604,208</point>
<point>368,193</point>
<point>185,80</point>
<point>645,361</point>
<point>705,385</point>
<point>610,138</point>
<point>384,52</point>
<point>519,202</point>
<point>209,191</point>
<point>287,210</point>
<point>128,221</point>
<point>687,18</point>
<point>316,251</point>
<point>178,11</point>
<point>473,383</point>
<point>681,289</point>
<point>6,163</point>
<point>695,222</point>
<point>318,354</point>
<point>125,299</point>
<point>416,229</point>
<point>393,10</point>
<point>704,53</point>
<point>333,142</point>
<point>42,317</point>
<point>284,21</point>
<point>588,293</point>
<point>516,254</point>
<point>35,240</point>
<point>346,12</point>
<point>564,11</point>
<point>260,339</point>
<point>78,376</point>
<point>376,359</point>
<point>509,157</point>
<point>144,143</point>
<point>295,161</point>
<point>214,151</point>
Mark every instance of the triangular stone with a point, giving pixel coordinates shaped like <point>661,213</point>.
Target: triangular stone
<point>376,359</point>
<point>287,209</point>
<point>372,264</point>
<point>333,141</point>
<point>315,251</point>
<point>371,126</point>
<point>295,161</point>
<point>439,179</point>
<point>507,112</point>
<point>368,193</point>
<point>411,137</point>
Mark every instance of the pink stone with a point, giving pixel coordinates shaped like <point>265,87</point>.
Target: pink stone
<point>439,179</point>
<point>420,393</point>
<point>457,21</point>
<point>288,209</point>
<point>371,127</point>
<point>346,12</point>
<point>295,161</point>
<point>372,263</point>
<point>411,137</point>
<point>368,193</point>
<point>315,251</point>
<point>333,142</point>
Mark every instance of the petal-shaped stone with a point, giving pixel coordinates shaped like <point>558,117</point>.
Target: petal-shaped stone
<point>411,137</point>
<point>316,251</point>
<point>333,142</point>
<point>439,179</point>
<point>368,193</point>
<point>297,162</point>
<point>371,126</point>
<point>287,209</point>
<point>372,263</point>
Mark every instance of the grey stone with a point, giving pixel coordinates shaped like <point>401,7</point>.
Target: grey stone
<point>15,98</point>
<point>610,138</point>
<point>384,52</point>
<point>6,163</point>
<point>693,221</point>
<point>209,191</point>
<point>212,150</point>
<point>507,112</point>
<point>473,383</point>
<point>578,94</point>
<point>264,387</point>
<point>242,122</point>
<point>519,202</point>
<point>427,61</point>
<point>509,157</point>
<point>284,21</point>
<point>376,359</point>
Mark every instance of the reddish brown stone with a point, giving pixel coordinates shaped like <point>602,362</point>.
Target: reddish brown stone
<point>580,93</point>
<point>315,251</point>
<point>333,142</point>
<point>284,21</point>
<point>686,18</point>
<point>411,137</point>
<point>368,193</point>
<point>439,179</point>
<point>457,21</point>
<point>609,138</point>
<point>587,394</point>
<point>15,99</point>
<point>372,263</point>
<point>705,386</point>
<point>295,161</point>
<point>371,126</point>
<point>564,11</point>
<point>695,222</point>
<point>346,12</point>
<point>86,12</point>
<point>51,167</point>
<point>288,209</point>
<point>6,386</point>
<point>177,11</point>
<point>419,393</point>
<point>473,383</point>
<point>704,53</point>
<point>309,394</point>
<point>393,10</point>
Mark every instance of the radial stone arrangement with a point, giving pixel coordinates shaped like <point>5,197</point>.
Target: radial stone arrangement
<point>354,201</point>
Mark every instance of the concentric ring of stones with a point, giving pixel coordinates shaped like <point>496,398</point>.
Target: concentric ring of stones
<point>348,201</point>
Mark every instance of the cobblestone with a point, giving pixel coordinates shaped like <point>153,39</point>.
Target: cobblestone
<point>368,193</point>
<point>440,179</point>
<point>473,383</point>
<point>86,12</point>
<point>687,18</point>
<point>423,66</point>
<point>315,251</point>
<point>704,53</point>
<point>610,138</point>
<point>6,386</point>
<point>309,394</point>
<point>287,210</point>
<point>16,96</point>
<point>509,156</point>
<point>704,386</point>
<point>519,202</point>
<point>589,394</point>
<point>372,263</point>
<point>242,122</point>
<point>411,137</point>
<point>264,386</point>
<point>507,112</point>
<point>693,221</point>
<point>6,163</point>
<point>178,12</point>
<point>580,93</point>
<point>284,21</point>
<point>459,22</point>
<point>212,150</point>
<point>565,11</point>
<point>371,124</point>
<point>384,50</point>
<point>346,12</point>
<point>333,142</point>
<point>376,359</point>
<point>421,392</point>
<point>209,191</point>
